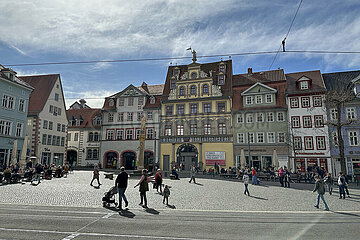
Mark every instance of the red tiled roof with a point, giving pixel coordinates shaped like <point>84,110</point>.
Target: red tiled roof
<point>86,114</point>
<point>42,84</point>
<point>262,77</point>
<point>317,84</point>
<point>157,103</point>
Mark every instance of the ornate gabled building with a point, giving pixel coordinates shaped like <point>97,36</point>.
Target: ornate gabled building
<point>122,115</point>
<point>196,116</point>
<point>260,118</point>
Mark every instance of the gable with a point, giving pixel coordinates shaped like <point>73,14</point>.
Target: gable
<point>130,91</point>
<point>258,88</point>
<point>303,78</point>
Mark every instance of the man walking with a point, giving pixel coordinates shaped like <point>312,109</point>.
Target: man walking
<point>192,174</point>
<point>121,183</point>
<point>329,182</point>
<point>254,176</point>
<point>320,188</point>
<point>246,183</point>
<point>341,184</point>
<point>96,175</point>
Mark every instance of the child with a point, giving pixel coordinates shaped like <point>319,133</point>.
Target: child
<point>166,194</point>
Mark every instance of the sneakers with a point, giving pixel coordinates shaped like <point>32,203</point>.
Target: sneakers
<point>316,206</point>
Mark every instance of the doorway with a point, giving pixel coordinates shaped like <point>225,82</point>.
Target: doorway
<point>110,157</point>
<point>72,157</point>
<point>129,160</point>
<point>187,155</point>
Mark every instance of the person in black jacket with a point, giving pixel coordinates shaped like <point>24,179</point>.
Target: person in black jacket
<point>121,183</point>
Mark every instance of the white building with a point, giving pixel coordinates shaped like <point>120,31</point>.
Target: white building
<point>308,133</point>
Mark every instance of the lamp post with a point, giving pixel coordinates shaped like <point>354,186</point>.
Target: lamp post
<point>250,163</point>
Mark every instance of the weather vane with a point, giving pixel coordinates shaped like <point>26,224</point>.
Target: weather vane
<point>193,53</point>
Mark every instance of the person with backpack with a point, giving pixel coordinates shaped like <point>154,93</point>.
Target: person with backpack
<point>144,187</point>
<point>121,183</point>
<point>341,184</point>
<point>320,188</point>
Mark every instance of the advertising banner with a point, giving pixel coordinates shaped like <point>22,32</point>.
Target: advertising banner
<point>215,157</point>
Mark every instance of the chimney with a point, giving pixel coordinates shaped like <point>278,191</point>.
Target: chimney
<point>250,71</point>
<point>82,103</point>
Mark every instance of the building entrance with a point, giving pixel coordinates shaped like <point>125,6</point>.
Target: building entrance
<point>149,160</point>
<point>109,159</point>
<point>187,155</point>
<point>72,157</point>
<point>129,160</point>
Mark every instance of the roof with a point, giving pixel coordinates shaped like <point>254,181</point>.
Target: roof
<point>155,105</point>
<point>339,79</point>
<point>43,85</point>
<point>317,84</point>
<point>16,79</point>
<point>153,89</point>
<point>262,77</point>
<point>86,114</point>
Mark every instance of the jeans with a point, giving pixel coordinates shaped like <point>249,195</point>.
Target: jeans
<point>246,189</point>
<point>323,199</point>
<point>329,187</point>
<point>254,180</point>
<point>341,191</point>
<point>37,176</point>
<point>281,179</point>
<point>143,198</point>
<point>122,196</point>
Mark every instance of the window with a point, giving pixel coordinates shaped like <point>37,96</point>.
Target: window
<point>353,138</point>
<point>350,113</point>
<point>193,90</point>
<point>50,125</point>
<point>260,117</point>
<point>304,85</point>
<point>173,84</point>
<point>168,130</point>
<point>76,137</point>
<point>68,137</point>
<point>270,116</point>
<point>222,68</point>
<point>109,134</point>
<point>49,139</point>
<point>149,115</point>
<point>62,143</point>
<point>333,114</point>
<point>251,138</point>
<point>307,122</point>
<point>8,102</point>
<point>280,116</point>
<point>63,128</point>
<point>139,116</point>
<point>111,102</point>
<point>269,98</point>
<point>193,75</point>
<point>152,100</point>
<point>111,117</point>
<point>319,121</point>
<point>182,91</point>
<point>317,101</point>
<point>59,111</point>
<point>320,143</point>
<point>249,100</point>
<point>129,116</point>
<point>240,138</point>
<point>96,137</point>
<point>221,79</point>
<point>51,109</point>
<point>89,154</point>
<point>271,137</point>
<point>205,89</point>
<point>221,107</point>
<point>91,137</point>
<point>193,108</point>
<point>240,118</point>
<point>130,101</point>
<point>120,117</point>
<point>55,111</point>
<point>58,141</point>
<point>335,138</point>
<point>305,102</point>
<point>260,137</point>
<point>193,129</point>
<point>180,109</point>
<point>22,105</point>
<point>249,118</point>
<point>297,143</point>
<point>44,137</point>
<point>129,134</point>
<point>258,99</point>
<point>121,102</point>
<point>222,128</point>
<point>295,121</point>
<point>137,134</point>
<point>95,154</point>
<point>149,133</point>
<point>308,143</point>
<point>207,129</point>
<point>58,128</point>
<point>176,72</point>
<point>207,107</point>
<point>56,97</point>
<point>45,125</point>
<point>53,140</point>
<point>180,130</point>
<point>169,110</point>
<point>281,137</point>
<point>294,102</point>
<point>140,100</point>
<point>19,127</point>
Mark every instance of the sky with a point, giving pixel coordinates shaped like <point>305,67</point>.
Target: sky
<point>38,31</point>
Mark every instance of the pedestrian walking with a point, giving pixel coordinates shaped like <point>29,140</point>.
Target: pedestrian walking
<point>38,171</point>
<point>281,176</point>
<point>320,188</point>
<point>144,187</point>
<point>286,178</point>
<point>192,174</point>
<point>346,185</point>
<point>121,183</point>
<point>166,194</point>
<point>329,182</point>
<point>158,180</point>
<point>96,175</point>
<point>246,183</point>
<point>254,176</point>
<point>341,184</point>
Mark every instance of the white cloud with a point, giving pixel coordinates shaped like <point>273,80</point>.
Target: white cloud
<point>94,99</point>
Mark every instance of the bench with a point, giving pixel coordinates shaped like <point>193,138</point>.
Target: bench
<point>226,175</point>
<point>109,176</point>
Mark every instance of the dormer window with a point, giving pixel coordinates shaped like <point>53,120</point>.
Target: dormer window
<point>221,80</point>
<point>182,91</point>
<point>193,90</point>
<point>222,68</point>
<point>152,100</point>
<point>111,102</point>
<point>172,83</point>
<point>193,75</point>
<point>304,85</point>
<point>176,72</point>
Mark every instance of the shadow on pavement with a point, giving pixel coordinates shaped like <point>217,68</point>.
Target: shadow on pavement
<point>152,211</point>
<point>260,198</point>
<point>199,184</point>
<point>171,206</point>
<point>126,213</point>
<point>347,214</point>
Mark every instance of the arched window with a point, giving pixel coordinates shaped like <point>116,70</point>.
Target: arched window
<point>205,89</point>
<point>96,137</point>
<point>89,154</point>
<point>193,90</point>
<point>95,154</point>
<point>91,137</point>
<point>182,91</point>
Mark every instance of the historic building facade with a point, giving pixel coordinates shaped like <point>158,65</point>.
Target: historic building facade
<point>122,115</point>
<point>260,118</point>
<point>84,131</point>
<point>46,121</point>
<point>14,95</point>
<point>196,116</point>
<point>350,113</point>
<point>305,95</point>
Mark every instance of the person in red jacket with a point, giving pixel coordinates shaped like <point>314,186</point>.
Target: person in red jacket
<point>254,176</point>
<point>158,180</point>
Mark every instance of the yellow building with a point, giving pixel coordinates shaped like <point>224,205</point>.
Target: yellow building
<point>196,116</point>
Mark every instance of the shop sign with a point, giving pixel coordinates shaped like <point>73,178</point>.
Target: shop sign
<point>215,157</point>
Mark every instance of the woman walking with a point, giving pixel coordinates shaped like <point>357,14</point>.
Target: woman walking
<point>144,187</point>
<point>158,180</point>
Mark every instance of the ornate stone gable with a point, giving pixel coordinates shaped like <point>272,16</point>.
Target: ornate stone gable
<point>130,91</point>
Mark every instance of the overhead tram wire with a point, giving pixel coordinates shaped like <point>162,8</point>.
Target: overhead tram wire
<point>287,34</point>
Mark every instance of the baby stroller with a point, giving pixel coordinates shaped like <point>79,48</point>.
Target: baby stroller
<point>109,197</point>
